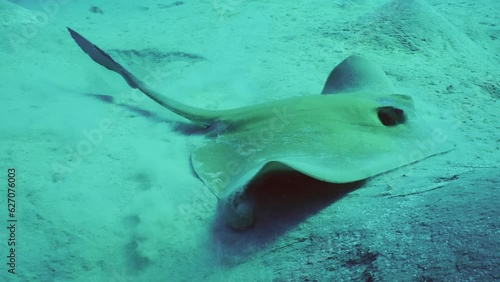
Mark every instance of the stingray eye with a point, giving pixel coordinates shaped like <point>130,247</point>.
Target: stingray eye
<point>390,116</point>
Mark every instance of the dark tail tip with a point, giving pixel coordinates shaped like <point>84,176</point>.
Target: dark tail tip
<point>100,57</point>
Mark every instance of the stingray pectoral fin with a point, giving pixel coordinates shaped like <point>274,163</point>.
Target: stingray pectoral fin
<point>200,116</point>
<point>225,172</point>
<point>362,168</point>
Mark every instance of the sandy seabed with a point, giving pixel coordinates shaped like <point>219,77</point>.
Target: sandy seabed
<point>105,191</point>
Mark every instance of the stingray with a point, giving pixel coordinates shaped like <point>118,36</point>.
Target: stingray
<point>357,128</point>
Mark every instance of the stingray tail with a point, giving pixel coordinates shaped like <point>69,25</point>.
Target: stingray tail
<point>203,117</point>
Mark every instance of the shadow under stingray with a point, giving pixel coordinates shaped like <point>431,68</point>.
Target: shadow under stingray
<point>282,201</point>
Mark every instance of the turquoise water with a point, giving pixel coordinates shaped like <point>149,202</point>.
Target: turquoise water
<point>103,184</point>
